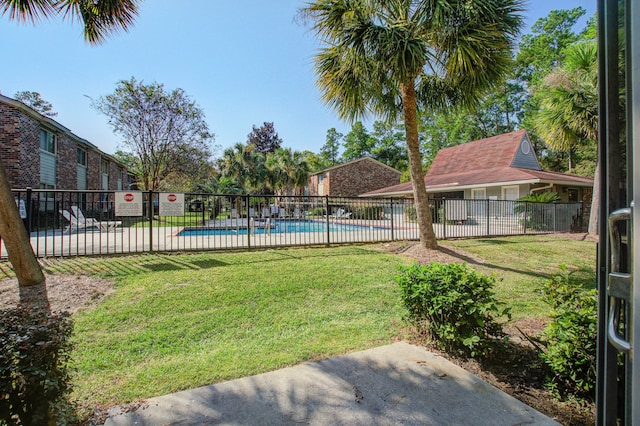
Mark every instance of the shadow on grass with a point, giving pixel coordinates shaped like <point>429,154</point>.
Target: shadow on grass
<point>118,266</point>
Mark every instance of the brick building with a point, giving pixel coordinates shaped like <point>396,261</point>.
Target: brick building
<point>38,152</point>
<point>353,178</point>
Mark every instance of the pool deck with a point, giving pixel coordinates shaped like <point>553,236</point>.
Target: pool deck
<point>141,239</point>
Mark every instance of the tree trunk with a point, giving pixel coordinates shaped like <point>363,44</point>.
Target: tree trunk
<point>425,224</point>
<point>595,202</point>
<point>15,237</point>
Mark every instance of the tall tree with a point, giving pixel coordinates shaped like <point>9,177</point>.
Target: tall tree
<point>330,151</point>
<point>358,143</point>
<point>246,166</point>
<point>99,19</point>
<point>35,101</point>
<point>165,130</point>
<point>538,53</point>
<point>264,138</point>
<point>288,171</point>
<point>313,160</point>
<point>391,57</point>
<point>389,145</point>
<point>569,108</point>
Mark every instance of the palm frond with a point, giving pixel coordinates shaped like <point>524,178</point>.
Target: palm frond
<point>27,10</point>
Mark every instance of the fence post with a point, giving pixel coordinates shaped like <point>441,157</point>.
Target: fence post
<point>246,204</point>
<point>488,215</point>
<point>150,213</point>
<point>29,207</point>
<point>555,217</point>
<point>392,214</point>
<point>326,209</point>
<point>525,216</point>
<point>443,219</point>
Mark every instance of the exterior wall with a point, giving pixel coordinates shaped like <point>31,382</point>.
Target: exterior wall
<point>312,186</point>
<point>19,147</point>
<point>354,178</point>
<point>67,167</point>
<point>20,154</point>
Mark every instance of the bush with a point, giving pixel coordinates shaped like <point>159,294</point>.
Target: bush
<point>454,304</point>
<point>368,212</point>
<point>570,338</point>
<point>410,214</point>
<point>34,359</point>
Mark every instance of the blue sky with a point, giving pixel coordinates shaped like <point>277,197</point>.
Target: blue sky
<point>244,62</point>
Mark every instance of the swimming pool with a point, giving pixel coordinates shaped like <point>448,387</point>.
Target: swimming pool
<point>278,227</point>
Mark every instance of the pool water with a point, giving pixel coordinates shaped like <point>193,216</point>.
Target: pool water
<point>277,227</point>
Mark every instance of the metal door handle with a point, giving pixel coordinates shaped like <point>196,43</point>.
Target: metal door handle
<point>619,284</point>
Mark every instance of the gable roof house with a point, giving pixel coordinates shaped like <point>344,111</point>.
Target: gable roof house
<point>38,152</point>
<point>352,178</point>
<point>503,167</point>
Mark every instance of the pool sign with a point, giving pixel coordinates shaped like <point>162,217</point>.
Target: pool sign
<point>128,203</point>
<point>171,204</point>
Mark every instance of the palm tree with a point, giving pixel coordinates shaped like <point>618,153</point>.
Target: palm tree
<point>287,171</point>
<point>246,166</point>
<point>99,18</point>
<point>568,113</point>
<point>392,57</point>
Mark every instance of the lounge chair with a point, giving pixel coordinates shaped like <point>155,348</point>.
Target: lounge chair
<point>89,222</point>
<point>266,212</point>
<point>75,224</point>
<point>341,214</point>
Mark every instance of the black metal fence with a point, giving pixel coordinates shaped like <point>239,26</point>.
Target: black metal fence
<point>73,223</point>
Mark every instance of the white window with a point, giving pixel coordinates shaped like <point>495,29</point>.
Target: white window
<point>82,168</point>
<point>510,193</point>
<point>105,174</point>
<point>48,160</point>
<point>82,157</point>
<point>479,193</point>
<point>479,207</point>
<point>47,141</point>
<point>120,173</point>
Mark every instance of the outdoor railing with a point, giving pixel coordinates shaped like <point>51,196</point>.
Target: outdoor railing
<point>228,221</point>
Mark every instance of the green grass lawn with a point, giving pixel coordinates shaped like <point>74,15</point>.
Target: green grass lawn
<point>180,321</point>
<point>524,263</point>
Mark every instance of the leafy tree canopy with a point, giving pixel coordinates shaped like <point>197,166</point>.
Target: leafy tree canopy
<point>264,138</point>
<point>165,130</point>
<point>35,101</point>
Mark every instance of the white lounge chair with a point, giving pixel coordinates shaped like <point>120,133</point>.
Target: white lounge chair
<point>341,214</point>
<point>104,225</point>
<point>75,224</point>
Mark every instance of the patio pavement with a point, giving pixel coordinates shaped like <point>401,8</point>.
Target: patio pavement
<point>397,384</point>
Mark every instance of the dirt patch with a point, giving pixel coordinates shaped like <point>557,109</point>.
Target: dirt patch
<point>64,292</point>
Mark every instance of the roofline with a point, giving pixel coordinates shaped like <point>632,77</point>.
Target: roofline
<point>51,123</point>
<point>452,186</point>
<point>354,161</point>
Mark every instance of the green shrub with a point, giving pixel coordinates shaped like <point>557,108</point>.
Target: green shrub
<point>34,373</point>
<point>535,216</point>
<point>368,212</point>
<point>318,211</point>
<point>454,304</point>
<point>570,338</point>
<point>410,214</point>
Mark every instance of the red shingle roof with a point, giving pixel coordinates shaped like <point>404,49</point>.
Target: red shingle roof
<point>484,162</point>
